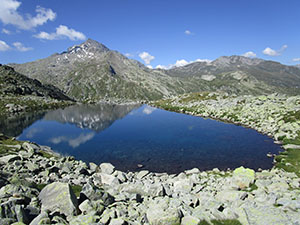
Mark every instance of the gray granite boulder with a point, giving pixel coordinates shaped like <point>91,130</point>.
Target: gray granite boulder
<point>59,197</point>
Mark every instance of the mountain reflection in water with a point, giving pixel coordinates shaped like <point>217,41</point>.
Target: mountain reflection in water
<point>162,141</point>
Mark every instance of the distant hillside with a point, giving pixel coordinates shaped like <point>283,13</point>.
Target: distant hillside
<point>239,74</point>
<point>91,71</point>
<point>14,83</point>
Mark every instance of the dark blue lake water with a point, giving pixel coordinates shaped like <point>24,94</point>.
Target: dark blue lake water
<point>161,141</point>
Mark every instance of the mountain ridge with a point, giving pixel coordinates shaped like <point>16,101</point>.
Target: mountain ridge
<point>92,72</point>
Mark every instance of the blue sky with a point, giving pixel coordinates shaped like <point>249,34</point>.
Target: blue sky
<point>156,32</point>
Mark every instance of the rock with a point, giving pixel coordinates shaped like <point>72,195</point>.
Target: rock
<point>109,179</point>
<point>117,222</point>
<point>32,211</point>
<point>142,174</point>
<point>159,213</point>
<point>9,158</point>
<point>90,218</point>
<point>184,185</point>
<point>242,177</point>
<point>20,214</point>
<point>190,220</point>
<point>41,219</point>
<point>7,221</point>
<point>264,215</point>
<point>229,196</point>
<point>59,197</point>
<point>192,171</point>
<point>291,146</point>
<point>29,147</point>
<point>107,168</point>
<point>93,167</point>
<point>94,193</point>
<point>86,206</point>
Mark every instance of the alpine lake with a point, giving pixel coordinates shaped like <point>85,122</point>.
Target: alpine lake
<point>134,137</point>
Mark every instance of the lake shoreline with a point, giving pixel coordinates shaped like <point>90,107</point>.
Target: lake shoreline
<point>268,120</point>
<point>101,194</point>
<point>108,196</point>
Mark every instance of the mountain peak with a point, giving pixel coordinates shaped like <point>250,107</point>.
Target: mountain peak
<point>90,46</point>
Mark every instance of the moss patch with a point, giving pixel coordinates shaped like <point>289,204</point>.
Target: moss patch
<point>221,222</point>
<point>76,189</point>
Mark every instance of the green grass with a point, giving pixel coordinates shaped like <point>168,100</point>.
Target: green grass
<point>76,189</point>
<point>46,154</point>
<point>292,117</point>
<point>198,96</point>
<point>7,141</point>
<point>251,188</point>
<point>221,222</point>
<point>289,160</point>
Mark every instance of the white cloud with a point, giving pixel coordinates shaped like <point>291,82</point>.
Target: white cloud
<point>272,52</point>
<point>20,47</point>
<point>3,46</point>
<point>188,32</point>
<point>161,67</point>
<point>150,67</point>
<point>249,54</point>
<point>9,15</point>
<point>128,55</point>
<point>5,31</point>
<point>73,142</point>
<point>296,59</point>
<point>181,62</point>
<point>62,32</point>
<point>146,57</point>
<point>148,110</point>
<point>32,132</point>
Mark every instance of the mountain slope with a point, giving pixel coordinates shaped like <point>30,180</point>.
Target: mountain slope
<point>14,83</point>
<point>91,71</point>
<point>238,74</point>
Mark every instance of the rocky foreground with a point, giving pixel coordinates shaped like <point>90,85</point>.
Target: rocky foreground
<point>41,187</point>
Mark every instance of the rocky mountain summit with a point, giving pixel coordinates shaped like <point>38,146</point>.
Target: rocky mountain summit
<point>92,72</point>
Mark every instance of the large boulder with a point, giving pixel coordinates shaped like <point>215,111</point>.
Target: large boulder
<point>107,168</point>
<point>190,220</point>
<point>9,158</point>
<point>243,177</point>
<point>89,218</point>
<point>59,197</point>
<point>160,212</point>
<point>93,193</point>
